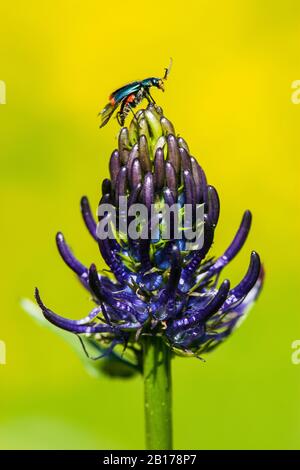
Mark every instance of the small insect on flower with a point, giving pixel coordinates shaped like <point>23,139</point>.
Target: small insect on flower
<point>131,95</point>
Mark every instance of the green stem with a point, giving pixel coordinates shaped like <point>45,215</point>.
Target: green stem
<point>158,393</point>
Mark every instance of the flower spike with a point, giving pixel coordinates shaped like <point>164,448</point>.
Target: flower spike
<point>157,285</point>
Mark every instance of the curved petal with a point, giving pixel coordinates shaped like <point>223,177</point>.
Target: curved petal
<point>203,314</point>
<point>109,255</point>
<point>175,271</point>
<point>148,191</point>
<point>198,255</point>
<point>68,256</point>
<point>173,153</point>
<point>200,182</point>
<point>171,178</point>
<point>246,284</point>
<point>189,188</point>
<point>74,326</point>
<point>114,166</point>
<point>159,169</point>
<point>88,218</point>
<point>121,184</point>
<point>123,309</point>
<point>106,187</point>
<point>235,246</point>
<point>243,308</point>
<point>213,205</point>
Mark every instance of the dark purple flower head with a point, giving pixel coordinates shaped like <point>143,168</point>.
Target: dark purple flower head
<point>158,286</point>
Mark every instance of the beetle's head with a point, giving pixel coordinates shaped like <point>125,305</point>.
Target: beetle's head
<point>158,82</point>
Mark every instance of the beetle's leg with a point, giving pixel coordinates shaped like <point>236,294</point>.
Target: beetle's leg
<point>131,109</point>
<point>149,97</point>
<point>120,118</point>
<point>121,115</point>
<point>144,93</point>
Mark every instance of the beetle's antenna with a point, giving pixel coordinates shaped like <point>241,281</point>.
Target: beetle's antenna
<point>168,69</point>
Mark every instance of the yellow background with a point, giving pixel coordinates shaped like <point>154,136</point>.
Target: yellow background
<point>229,95</point>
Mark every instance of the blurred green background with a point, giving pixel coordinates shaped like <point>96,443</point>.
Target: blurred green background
<point>229,95</point>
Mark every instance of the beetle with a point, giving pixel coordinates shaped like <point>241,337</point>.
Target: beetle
<point>129,96</point>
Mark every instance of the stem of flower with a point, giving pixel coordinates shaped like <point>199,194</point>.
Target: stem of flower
<point>157,393</point>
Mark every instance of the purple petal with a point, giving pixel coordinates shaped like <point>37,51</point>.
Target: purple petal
<point>74,326</point>
<point>198,255</point>
<point>68,256</point>
<point>200,182</point>
<point>213,205</point>
<point>122,309</point>
<point>103,202</point>
<point>148,191</point>
<point>224,326</point>
<point>246,304</point>
<point>169,197</point>
<point>106,186</point>
<point>87,217</point>
<point>134,153</point>
<point>136,174</point>
<point>124,145</point>
<point>167,126</point>
<point>121,184</point>
<point>144,154</point>
<point>189,188</point>
<point>114,166</point>
<point>175,271</point>
<point>173,153</point>
<point>134,195</point>
<point>182,144</point>
<point>95,283</point>
<point>113,261</point>
<point>203,314</point>
<point>185,159</point>
<point>235,246</point>
<point>171,178</point>
<point>246,284</point>
<point>159,169</point>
